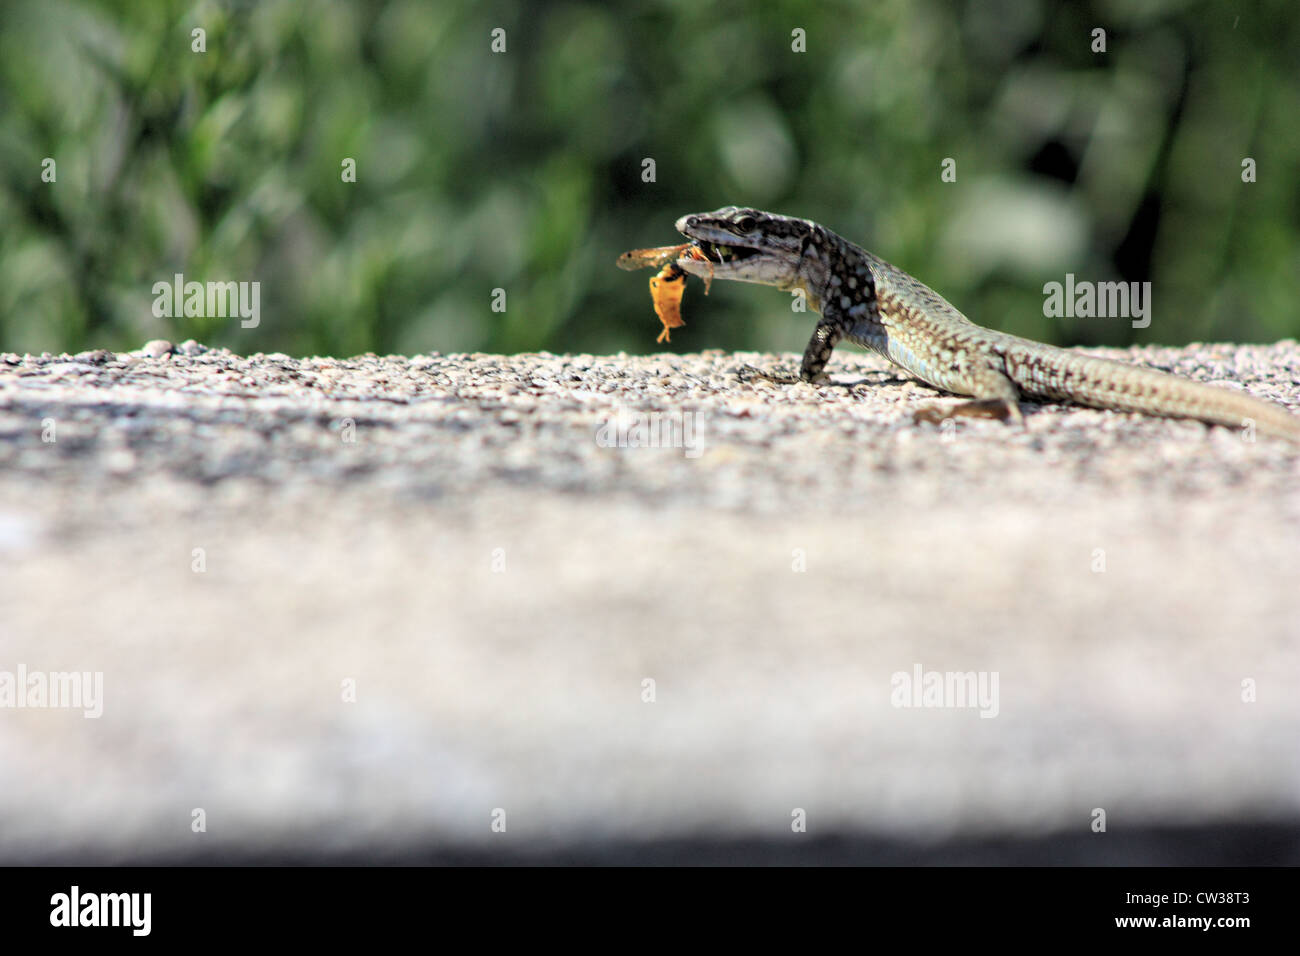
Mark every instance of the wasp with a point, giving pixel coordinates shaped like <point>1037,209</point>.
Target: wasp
<point>669,284</point>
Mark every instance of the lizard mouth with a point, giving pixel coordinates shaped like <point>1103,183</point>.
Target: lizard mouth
<point>723,254</point>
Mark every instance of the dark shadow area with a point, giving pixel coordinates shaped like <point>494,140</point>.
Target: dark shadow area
<point>1248,844</point>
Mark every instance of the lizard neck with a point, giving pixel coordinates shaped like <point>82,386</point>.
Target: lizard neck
<point>823,268</point>
<point>841,277</point>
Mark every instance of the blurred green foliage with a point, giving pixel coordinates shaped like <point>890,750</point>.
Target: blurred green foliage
<point>523,169</point>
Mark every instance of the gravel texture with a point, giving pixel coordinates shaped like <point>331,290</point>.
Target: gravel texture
<point>455,535</point>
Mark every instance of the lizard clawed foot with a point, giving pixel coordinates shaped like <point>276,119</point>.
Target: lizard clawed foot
<point>785,378</point>
<point>979,408</point>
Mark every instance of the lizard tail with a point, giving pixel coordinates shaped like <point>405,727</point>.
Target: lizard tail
<point>1101,383</point>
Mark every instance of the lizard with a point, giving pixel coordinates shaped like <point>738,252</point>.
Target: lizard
<point>865,300</point>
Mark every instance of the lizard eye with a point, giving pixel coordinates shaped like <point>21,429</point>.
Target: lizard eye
<point>746,224</point>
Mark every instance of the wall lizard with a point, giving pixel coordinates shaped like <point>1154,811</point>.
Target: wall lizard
<point>868,301</point>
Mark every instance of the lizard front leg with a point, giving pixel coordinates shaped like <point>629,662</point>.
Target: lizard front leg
<point>829,332</point>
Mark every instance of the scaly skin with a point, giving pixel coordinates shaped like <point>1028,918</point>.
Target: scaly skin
<point>866,300</point>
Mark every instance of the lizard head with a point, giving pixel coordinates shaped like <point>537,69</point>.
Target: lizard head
<point>746,245</point>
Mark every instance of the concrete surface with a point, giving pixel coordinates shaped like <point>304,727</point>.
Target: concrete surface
<point>451,535</point>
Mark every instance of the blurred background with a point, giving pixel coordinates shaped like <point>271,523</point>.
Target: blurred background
<point>522,169</point>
